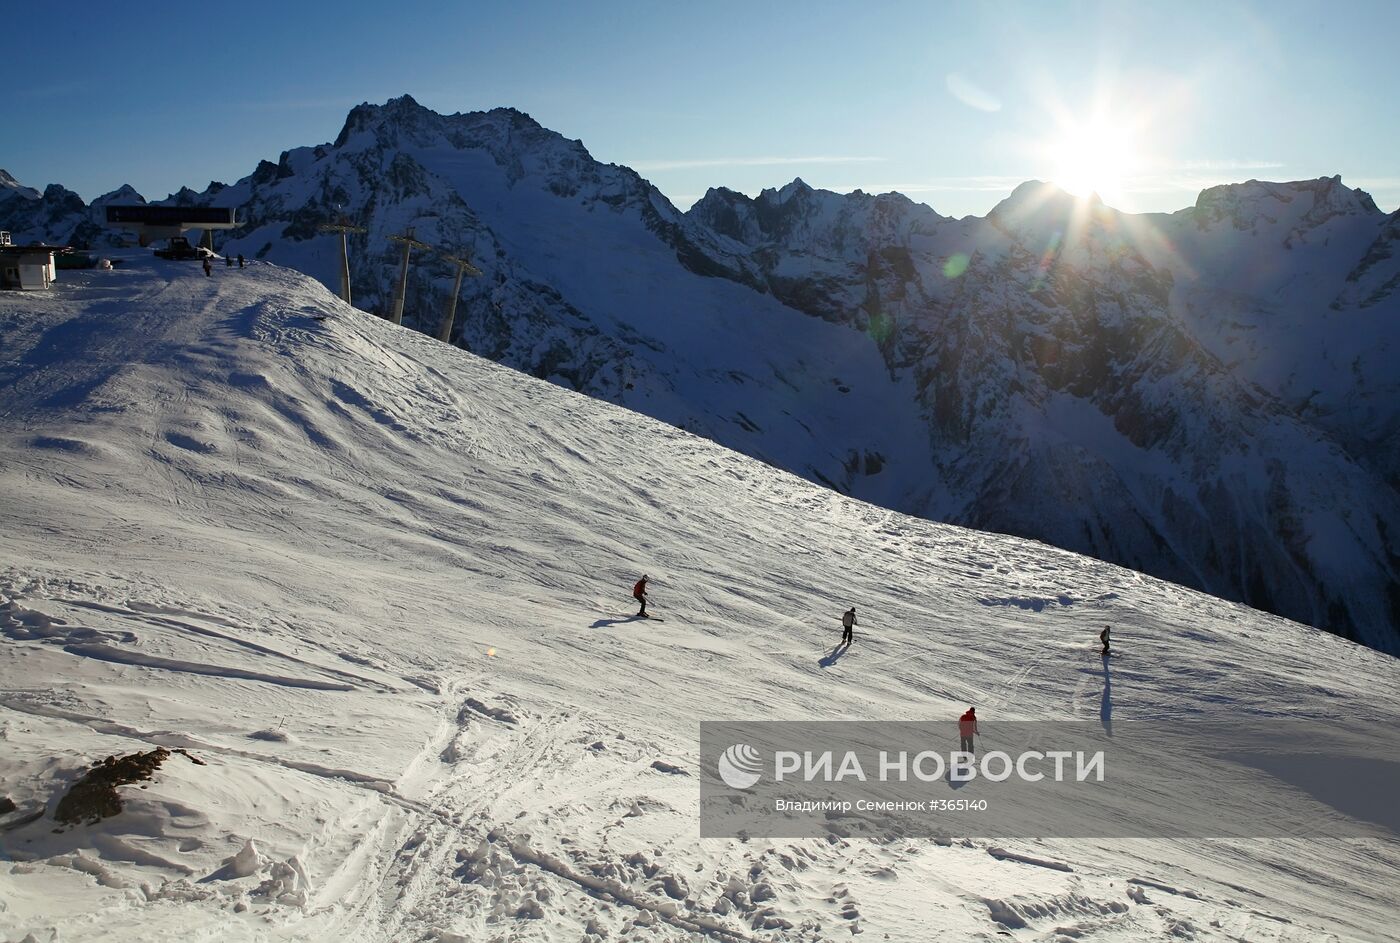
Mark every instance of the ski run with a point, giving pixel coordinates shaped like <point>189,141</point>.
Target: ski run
<point>380,589</point>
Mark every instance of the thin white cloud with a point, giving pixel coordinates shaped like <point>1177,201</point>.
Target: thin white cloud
<point>655,165</point>
<point>1229,165</point>
<point>971,94</point>
<point>940,184</point>
<point>1194,176</point>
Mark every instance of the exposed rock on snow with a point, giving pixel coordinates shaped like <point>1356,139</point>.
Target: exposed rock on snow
<point>95,796</point>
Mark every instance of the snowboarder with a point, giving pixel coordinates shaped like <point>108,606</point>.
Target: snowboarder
<point>240,260</point>
<point>848,624</point>
<point>208,269</point>
<point>1103,637</point>
<point>639,593</point>
<point>967,729</point>
<point>228,261</point>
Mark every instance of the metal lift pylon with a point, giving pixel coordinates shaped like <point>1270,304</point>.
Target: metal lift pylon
<point>344,227</point>
<point>409,244</point>
<point>449,317</point>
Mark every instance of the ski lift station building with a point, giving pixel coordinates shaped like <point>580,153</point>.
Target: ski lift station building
<point>166,222</point>
<point>28,267</point>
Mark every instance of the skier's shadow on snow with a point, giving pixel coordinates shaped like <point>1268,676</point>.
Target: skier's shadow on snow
<point>827,660</point>
<point>605,623</point>
<point>1106,700</point>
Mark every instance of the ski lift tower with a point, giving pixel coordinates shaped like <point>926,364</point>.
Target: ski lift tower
<point>464,267</point>
<point>344,227</point>
<point>409,244</point>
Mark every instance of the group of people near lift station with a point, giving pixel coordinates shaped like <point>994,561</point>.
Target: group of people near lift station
<point>967,723</point>
<point>228,263</point>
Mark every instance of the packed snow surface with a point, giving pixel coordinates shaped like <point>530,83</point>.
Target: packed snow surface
<point>380,587</point>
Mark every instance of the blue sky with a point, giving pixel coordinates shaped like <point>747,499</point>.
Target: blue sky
<point>950,103</point>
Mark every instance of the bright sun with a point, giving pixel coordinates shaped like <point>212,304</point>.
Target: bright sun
<point>1093,158</point>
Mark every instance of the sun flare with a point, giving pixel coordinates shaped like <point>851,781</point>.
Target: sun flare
<point>1093,158</point>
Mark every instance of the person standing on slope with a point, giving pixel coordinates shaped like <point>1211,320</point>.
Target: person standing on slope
<point>639,593</point>
<point>1103,637</point>
<point>967,729</point>
<point>207,267</point>
<point>848,624</point>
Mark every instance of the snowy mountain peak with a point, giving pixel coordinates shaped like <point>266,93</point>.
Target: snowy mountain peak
<point>403,121</point>
<point>125,194</point>
<point>404,104</point>
<point>1037,212</point>
<point>185,196</point>
<point>404,112</point>
<point>61,200</point>
<point>730,214</point>
<point>797,188</point>
<point>13,186</point>
<point>1033,197</point>
<point>1303,203</point>
<point>800,217</point>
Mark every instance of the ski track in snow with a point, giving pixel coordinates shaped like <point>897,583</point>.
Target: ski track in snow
<point>381,587</point>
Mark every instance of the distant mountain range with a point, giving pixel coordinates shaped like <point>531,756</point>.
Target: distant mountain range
<point>1211,396</point>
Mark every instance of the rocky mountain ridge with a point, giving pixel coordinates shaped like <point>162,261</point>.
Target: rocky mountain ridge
<point>1210,396</point>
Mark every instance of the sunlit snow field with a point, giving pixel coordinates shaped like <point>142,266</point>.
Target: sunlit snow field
<point>381,588</point>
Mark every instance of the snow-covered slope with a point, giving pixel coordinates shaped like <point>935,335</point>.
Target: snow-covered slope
<point>1212,397</point>
<point>377,585</point>
<point>1297,287</point>
<point>1088,381</point>
<point>585,284</point>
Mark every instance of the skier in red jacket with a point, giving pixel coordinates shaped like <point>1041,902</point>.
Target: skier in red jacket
<point>967,729</point>
<point>639,593</point>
